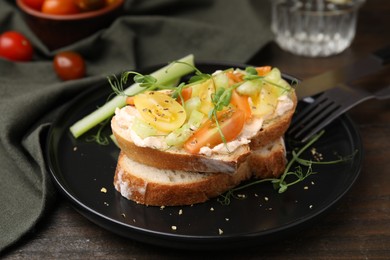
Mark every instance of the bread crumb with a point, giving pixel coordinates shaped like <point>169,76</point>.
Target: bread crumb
<point>220,231</point>
<point>211,209</point>
<point>266,198</point>
<point>174,228</point>
<point>105,203</point>
<point>75,148</point>
<point>306,188</point>
<point>180,212</point>
<point>241,196</point>
<point>162,207</point>
<point>104,190</point>
<point>227,219</point>
<point>123,215</point>
<point>311,206</point>
<point>317,156</point>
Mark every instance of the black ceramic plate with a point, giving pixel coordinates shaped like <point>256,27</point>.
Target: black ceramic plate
<point>84,171</point>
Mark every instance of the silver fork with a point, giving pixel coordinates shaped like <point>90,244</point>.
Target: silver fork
<point>327,107</point>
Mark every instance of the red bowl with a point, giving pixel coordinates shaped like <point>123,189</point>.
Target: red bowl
<point>57,31</point>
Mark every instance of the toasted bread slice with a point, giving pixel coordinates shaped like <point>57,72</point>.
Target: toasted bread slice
<point>160,187</point>
<point>269,161</point>
<point>174,159</point>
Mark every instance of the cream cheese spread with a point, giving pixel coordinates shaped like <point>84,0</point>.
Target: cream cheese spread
<point>125,118</point>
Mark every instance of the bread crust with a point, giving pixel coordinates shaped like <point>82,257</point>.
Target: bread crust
<point>165,194</point>
<point>268,162</point>
<point>175,160</point>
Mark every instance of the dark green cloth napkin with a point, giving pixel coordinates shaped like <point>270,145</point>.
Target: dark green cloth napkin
<point>149,32</point>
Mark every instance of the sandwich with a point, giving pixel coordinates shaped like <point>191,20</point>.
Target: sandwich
<point>185,145</point>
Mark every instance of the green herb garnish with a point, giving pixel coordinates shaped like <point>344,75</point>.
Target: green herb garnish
<point>146,82</point>
<point>99,137</point>
<point>299,173</point>
<point>198,77</point>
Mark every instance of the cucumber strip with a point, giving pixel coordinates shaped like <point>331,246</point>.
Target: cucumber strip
<point>166,74</point>
<point>143,129</point>
<point>180,135</point>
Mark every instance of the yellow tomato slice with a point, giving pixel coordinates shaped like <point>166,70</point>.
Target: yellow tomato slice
<point>264,104</point>
<point>204,91</point>
<point>160,110</point>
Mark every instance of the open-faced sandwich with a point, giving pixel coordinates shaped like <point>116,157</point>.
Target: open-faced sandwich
<point>185,145</point>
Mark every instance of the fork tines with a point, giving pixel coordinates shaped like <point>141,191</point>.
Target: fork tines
<point>328,106</point>
<point>314,117</point>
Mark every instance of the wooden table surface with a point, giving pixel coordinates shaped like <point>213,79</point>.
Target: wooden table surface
<point>358,228</point>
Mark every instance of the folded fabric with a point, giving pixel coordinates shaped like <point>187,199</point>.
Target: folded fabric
<point>149,32</point>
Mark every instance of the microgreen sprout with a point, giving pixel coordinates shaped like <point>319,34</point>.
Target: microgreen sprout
<point>252,74</point>
<point>299,174</point>
<point>177,93</point>
<point>147,82</point>
<point>198,77</point>
<point>99,138</point>
<point>220,99</point>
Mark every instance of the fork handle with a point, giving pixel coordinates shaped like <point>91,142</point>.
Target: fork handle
<point>383,93</point>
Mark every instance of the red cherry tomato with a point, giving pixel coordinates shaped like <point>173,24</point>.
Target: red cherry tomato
<point>35,4</point>
<point>231,123</point>
<point>69,65</point>
<point>60,7</point>
<point>14,46</point>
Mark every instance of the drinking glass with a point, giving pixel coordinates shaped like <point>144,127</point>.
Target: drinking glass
<point>314,28</point>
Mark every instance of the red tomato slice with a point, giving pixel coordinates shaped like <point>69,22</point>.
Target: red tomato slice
<point>242,103</point>
<point>185,93</point>
<point>231,123</point>
<point>262,71</point>
<point>130,101</point>
<point>234,77</point>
